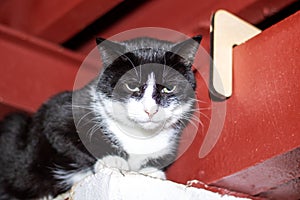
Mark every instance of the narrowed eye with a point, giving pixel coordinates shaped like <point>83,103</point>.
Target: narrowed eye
<point>168,90</point>
<point>131,88</point>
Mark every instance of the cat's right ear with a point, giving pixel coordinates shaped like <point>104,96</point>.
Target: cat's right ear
<point>109,50</point>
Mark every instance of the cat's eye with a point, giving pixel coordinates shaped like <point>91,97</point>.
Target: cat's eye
<point>131,88</point>
<point>168,90</point>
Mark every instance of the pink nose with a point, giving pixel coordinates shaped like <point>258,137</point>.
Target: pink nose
<point>150,113</point>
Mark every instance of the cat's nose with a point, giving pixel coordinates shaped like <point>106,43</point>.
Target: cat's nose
<point>151,112</point>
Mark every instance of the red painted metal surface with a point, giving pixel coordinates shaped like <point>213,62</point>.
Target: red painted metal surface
<point>275,178</point>
<point>288,190</point>
<point>221,191</point>
<point>191,17</point>
<point>53,20</point>
<point>260,10</point>
<point>32,70</point>
<point>262,119</point>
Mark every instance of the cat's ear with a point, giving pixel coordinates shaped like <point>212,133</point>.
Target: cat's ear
<point>109,50</point>
<point>188,49</point>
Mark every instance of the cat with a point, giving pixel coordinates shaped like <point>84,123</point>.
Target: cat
<point>130,117</point>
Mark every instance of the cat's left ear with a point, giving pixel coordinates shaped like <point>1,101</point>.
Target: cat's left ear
<point>188,49</point>
<point>109,50</point>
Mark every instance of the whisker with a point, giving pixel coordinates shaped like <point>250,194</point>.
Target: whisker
<point>96,119</point>
<point>140,78</point>
<point>204,115</point>
<point>92,130</point>
<point>189,122</point>
<point>195,119</point>
<point>202,126</point>
<point>200,109</point>
<point>189,119</point>
<point>80,106</point>
<point>198,100</point>
<point>85,115</point>
<point>193,123</point>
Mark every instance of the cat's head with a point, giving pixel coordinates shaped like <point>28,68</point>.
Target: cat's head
<point>147,83</point>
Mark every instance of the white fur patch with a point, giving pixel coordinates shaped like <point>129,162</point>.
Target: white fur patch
<point>46,198</point>
<point>69,178</point>
<point>111,162</point>
<point>148,102</point>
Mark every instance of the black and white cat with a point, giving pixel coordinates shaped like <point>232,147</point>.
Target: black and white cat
<point>130,117</point>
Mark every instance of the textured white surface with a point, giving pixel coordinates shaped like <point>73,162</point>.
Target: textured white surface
<point>110,184</point>
<point>228,30</point>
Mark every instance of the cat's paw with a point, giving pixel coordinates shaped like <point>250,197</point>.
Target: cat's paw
<point>153,172</point>
<point>111,162</point>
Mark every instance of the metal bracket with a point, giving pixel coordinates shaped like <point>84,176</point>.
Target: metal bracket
<point>227,30</point>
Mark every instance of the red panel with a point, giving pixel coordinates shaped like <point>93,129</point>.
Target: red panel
<point>53,20</point>
<point>289,190</point>
<point>262,9</point>
<point>262,119</point>
<point>276,177</point>
<point>191,17</point>
<point>221,191</point>
<point>6,109</point>
<point>32,70</point>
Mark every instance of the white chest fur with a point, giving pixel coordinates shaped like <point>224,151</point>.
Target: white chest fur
<point>141,149</point>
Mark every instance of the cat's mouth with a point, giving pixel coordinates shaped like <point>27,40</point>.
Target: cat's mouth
<point>151,120</point>
<point>150,124</point>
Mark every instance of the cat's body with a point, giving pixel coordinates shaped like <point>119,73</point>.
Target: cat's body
<point>130,117</point>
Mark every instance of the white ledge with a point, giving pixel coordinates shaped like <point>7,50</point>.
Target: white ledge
<point>110,184</point>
